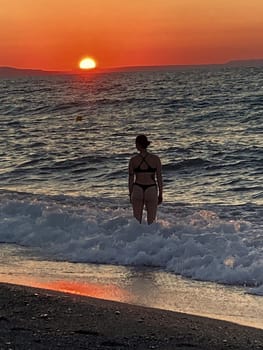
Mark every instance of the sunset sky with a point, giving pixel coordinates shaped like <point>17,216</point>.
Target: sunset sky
<point>56,34</point>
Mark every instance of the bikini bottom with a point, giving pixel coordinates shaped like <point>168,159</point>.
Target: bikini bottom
<point>144,187</point>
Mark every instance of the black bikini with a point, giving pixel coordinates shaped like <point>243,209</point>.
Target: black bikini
<point>144,187</point>
<point>149,169</point>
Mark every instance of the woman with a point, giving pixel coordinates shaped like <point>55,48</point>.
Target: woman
<point>144,169</point>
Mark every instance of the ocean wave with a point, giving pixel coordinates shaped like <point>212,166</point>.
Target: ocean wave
<point>187,163</point>
<point>191,241</point>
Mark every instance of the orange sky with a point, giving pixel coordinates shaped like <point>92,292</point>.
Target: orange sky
<point>55,34</point>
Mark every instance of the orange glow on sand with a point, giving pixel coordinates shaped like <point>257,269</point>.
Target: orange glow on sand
<point>108,292</point>
<point>94,290</point>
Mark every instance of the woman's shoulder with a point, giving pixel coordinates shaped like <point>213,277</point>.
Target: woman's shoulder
<point>153,156</point>
<point>134,157</point>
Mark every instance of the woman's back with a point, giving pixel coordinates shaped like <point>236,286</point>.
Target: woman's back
<point>145,167</point>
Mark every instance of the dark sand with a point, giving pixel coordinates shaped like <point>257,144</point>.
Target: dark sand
<point>40,319</point>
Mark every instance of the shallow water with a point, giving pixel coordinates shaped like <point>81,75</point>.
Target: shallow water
<point>140,286</point>
<point>211,243</point>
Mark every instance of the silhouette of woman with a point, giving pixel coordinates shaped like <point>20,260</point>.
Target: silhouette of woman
<point>145,181</point>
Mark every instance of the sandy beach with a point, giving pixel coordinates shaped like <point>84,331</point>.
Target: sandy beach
<point>32,318</point>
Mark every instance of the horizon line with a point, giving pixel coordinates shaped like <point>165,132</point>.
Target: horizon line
<point>98,68</point>
<point>102,69</point>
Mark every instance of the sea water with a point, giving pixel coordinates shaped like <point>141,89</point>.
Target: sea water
<point>65,144</point>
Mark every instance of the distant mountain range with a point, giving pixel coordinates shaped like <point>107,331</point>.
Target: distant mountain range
<point>11,72</point>
<point>246,63</point>
<point>20,72</point>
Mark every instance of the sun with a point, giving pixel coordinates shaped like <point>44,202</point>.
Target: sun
<point>87,63</point>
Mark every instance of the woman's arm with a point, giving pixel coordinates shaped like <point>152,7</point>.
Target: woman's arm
<point>159,180</point>
<point>131,176</point>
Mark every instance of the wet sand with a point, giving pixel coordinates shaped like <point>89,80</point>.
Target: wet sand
<point>32,318</point>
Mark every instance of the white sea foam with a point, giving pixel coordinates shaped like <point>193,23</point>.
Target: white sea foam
<point>256,290</point>
<point>193,243</point>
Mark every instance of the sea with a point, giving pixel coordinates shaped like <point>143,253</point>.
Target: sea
<point>65,144</point>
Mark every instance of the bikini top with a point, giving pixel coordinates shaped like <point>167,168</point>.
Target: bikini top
<point>149,169</point>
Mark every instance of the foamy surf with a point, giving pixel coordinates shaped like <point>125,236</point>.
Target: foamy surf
<point>143,286</point>
<point>193,242</point>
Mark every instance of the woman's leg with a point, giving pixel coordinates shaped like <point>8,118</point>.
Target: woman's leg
<point>137,199</point>
<point>151,203</point>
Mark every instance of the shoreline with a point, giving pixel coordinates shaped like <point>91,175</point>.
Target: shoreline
<point>33,318</point>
